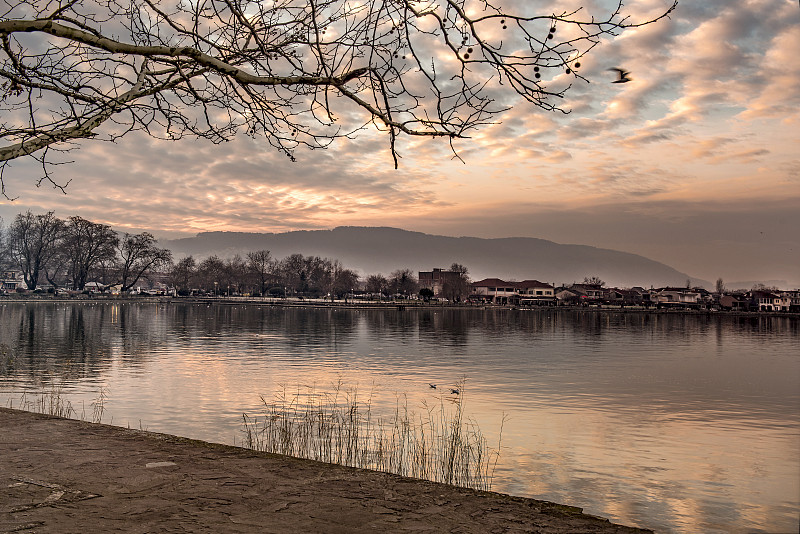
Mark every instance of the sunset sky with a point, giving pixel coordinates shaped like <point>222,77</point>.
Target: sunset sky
<point>695,163</point>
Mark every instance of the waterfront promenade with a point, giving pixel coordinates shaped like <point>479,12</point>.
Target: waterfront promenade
<point>402,305</point>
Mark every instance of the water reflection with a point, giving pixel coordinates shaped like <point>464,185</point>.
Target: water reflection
<point>56,341</point>
<point>674,422</point>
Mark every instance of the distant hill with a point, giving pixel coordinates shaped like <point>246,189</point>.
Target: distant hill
<point>382,250</point>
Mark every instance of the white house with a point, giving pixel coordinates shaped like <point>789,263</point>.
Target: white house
<point>494,290</point>
<point>11,280</point>
<point>677,297</point>
<point>535,292</point>
<point>501,292</point>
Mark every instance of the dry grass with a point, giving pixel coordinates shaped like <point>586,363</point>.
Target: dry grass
<point>53,402</point>
<point>50,402</point>
<point>436,443</point>
<point>49,397</point>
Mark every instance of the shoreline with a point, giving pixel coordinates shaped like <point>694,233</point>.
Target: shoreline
<point>67,475</point>
<point>393,305</point>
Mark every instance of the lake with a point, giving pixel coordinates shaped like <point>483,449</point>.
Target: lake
<point>669,421</point>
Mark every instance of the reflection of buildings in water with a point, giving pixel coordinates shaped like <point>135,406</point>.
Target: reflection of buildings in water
<point>317,326</point>
<point>444,326</point>
<point>392,322</point>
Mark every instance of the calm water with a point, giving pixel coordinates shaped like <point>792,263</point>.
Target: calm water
<point>676,423</point>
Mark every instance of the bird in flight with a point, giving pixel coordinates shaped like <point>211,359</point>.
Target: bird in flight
<point>433,386</point>
<point>623,75</point>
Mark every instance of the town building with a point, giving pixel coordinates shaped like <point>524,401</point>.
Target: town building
<point>677,297</point>
<point>732,302</point>
<point>437,279</point>
<point>11,280</point>
<point>793,298</point>
<point>527,292</point>
<point>769,301</point>
<point>534,292</point>
<point>493,290</point>
<point>581,294</point>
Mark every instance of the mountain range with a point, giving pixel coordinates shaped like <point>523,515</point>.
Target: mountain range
<point>371,250</point>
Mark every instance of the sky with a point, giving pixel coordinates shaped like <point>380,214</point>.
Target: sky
<point>694,163</point>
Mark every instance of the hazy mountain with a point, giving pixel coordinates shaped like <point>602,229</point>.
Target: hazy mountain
<point>382,250</point>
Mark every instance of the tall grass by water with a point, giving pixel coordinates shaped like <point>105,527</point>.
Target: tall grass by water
<point>434,442</point>
<point>52,401</point>
<point>50,398</point>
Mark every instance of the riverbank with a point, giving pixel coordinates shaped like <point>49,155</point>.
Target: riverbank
<point>62,475</point>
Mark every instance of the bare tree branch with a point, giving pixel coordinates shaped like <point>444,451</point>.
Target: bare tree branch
<point>300,73</point>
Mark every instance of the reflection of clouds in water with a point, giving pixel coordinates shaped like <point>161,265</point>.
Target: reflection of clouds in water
<point>663,420</point>
<point>591,458</point>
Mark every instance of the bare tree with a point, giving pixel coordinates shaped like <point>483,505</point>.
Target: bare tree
<point>33,242</point>
<point>403,282</point>
<point>211,273</point>
<point>377,283</point>
<point>594,281</point>
<point>760,286</point>
<point>300,73</point>
<point>319,275</point>
<point>720,286</point>
<point>343,281</point>
<point>183,274</point>
<point>105,270</point>
<point>139,255</point>
<point>261,267</point>
<point>86,245</point>
<point>456,283</point>
<point>292,270</point>
<point>236,274</point>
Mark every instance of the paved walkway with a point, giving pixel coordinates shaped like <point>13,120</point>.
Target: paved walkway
<point>65,476</point>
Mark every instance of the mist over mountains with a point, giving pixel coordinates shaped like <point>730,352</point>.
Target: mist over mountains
<point>372,250</point>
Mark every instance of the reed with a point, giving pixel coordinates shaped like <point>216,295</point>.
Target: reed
<point>50,402</point>
<point>53,402</point>
<point>437,442</point>
<point>98,406</point>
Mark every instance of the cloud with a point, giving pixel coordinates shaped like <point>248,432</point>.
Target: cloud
<point>778,90</point>
<point>707,127</point>
<point>178,187</point>
<point>742,156</point>
<point>708,148</point>
<point>586,127</point>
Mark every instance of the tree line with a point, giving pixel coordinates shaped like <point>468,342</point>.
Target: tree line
<point>70,253</point>
<point>259,274</point>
